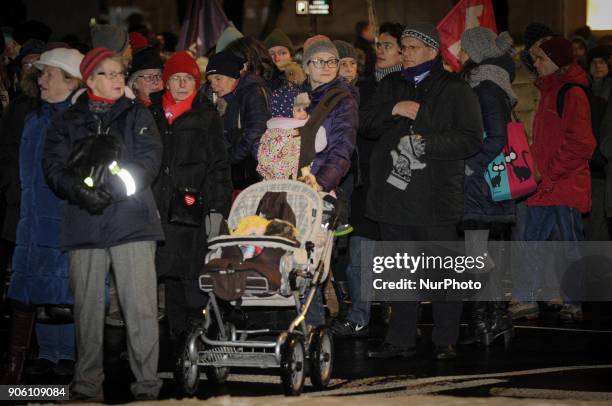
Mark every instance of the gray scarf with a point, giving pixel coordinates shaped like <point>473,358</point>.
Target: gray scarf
<point>495,74</point>
<point>379,74</point>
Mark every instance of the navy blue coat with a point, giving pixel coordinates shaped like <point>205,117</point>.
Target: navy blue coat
<point>248,109</point>
<point>331,164</point>
<point>11,129</point>
<point>127,219</point>
<point>496,114</point>
<point>40,268</point>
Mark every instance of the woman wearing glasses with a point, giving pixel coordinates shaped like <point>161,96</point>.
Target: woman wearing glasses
<point>146,74</point>
<point>333,156</point>
<point>333,150</point>
<point>195,173</point>
<point>110,219</point>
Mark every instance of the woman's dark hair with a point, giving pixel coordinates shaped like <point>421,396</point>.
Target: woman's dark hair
<point>467,68</point>
<point>393,29</point>
<point>255,55</point>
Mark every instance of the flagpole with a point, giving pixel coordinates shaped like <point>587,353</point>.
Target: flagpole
<point>372,17</point>
<point>313,25</point>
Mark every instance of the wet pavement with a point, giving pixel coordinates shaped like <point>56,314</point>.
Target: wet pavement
<point>546,360</point>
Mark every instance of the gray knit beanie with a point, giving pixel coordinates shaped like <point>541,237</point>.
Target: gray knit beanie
<point>424,32</point>
<point>481,43</point>
<point>110,37</point>
<point>230,34</point>
<point>316,47</point>
<point>345,50</point>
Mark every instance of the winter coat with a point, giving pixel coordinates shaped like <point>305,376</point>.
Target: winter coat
<point>194,156</point>
<point>602,87</point>
<point>496,114</point>
<point>244,122</point>
<point>11,129</point>
<point>450,123</point>
<point>362,225</point>
<point>40,268</point>
<point>248,110</point>
<point>562,146</point>
<point>128,218</point>
<point>330,165</point>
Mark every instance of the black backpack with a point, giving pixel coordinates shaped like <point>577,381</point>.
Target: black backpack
<point>598,111</point>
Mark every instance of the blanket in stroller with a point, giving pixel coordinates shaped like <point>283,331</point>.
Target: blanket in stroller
<point>231,269</point>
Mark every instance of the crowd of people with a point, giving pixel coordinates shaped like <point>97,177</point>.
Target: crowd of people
<point>402,146</point>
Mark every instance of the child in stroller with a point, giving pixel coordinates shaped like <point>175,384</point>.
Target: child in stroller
<point>292,239</point>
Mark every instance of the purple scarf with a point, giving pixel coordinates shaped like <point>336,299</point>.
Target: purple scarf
<point>410,73</point>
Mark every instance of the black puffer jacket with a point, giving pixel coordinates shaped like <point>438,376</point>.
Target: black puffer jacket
<point>244,120</point>
<point>194,156</point>
<point>496,114</point>
<point>127,219</point>
<point>450,123</point>
<point>11,128</point>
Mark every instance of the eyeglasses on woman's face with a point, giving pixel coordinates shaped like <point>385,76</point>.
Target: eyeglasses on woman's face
<point>151,78</point>
<point>179,78</point>
<point>320,63</point>
<point>121,75</point>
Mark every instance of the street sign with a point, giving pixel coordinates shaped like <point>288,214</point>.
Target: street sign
<point>313,7</point>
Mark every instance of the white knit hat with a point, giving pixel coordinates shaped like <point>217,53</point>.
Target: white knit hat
<point>63,58</point>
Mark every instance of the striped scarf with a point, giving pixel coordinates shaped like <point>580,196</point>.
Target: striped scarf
<point>380,73</point>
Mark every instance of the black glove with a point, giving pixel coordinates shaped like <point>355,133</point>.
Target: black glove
<point>94,200</point>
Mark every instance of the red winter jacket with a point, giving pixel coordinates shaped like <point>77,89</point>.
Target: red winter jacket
<point>562,146</point>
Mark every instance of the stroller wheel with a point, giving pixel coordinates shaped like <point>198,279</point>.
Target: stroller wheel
<point>218,375</point>
<point>293,368</point>
<point>187,373</point>
<point>321,353</point>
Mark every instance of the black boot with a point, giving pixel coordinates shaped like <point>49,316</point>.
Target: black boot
<point>342,293</point>
<point>22,324</point>
<point>478,324</point>
<point>500,323</point>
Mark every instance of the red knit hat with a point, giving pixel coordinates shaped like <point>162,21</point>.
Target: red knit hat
<point>559,50</point>
<point>138,41</point>
<point>92,59</point>
<point>181,62</point>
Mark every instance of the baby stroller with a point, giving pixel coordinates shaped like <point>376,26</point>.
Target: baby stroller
<point>286,273</point>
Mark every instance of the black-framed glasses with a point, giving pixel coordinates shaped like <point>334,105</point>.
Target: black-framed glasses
<point>114,75</point>
<point>320,63</point>
<point>151,78</point>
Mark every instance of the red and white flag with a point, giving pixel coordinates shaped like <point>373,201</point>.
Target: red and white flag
<point>465,15</point>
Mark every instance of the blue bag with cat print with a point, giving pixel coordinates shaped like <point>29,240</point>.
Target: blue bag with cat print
<point>510,175</point>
